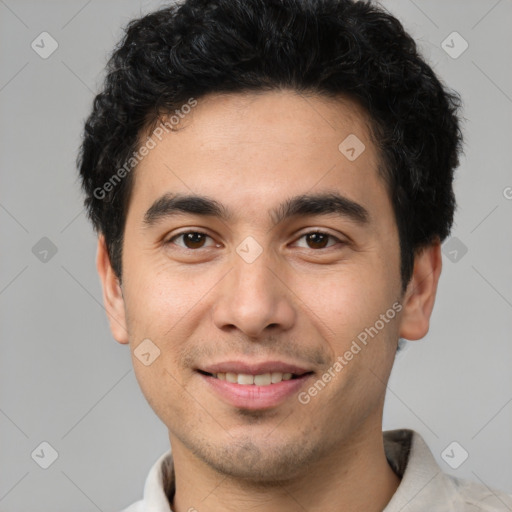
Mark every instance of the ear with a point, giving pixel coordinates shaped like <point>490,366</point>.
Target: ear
<point>112,293</point>
<point>420,295</point>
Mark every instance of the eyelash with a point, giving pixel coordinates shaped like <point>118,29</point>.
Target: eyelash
<point>315,232</point>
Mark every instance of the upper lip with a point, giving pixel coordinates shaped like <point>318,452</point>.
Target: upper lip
<point>253,368</point>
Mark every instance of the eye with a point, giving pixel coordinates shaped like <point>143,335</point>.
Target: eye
<point>319,239</point>
<point>196,240</point>
<point>191,239</point>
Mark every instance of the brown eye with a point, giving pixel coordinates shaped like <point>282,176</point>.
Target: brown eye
<point>319,240</point>
<point>191,239</point>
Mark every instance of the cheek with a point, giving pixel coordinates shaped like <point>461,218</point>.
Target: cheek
<point>162,389</point>
<point>344,298</point>
<point>158,297</point>
<point>167,306</point>
<point>346,308</point>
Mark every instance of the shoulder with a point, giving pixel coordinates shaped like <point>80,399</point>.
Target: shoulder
<point>138,506</point>
<point>425,486</point>
<point>479,497</point>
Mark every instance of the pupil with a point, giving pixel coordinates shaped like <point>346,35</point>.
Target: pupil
<point>314,240</point>
<point>191,238</point>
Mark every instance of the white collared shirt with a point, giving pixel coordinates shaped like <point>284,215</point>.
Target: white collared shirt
<point>423,488</point>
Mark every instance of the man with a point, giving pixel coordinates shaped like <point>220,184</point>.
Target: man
<point>271,181</point>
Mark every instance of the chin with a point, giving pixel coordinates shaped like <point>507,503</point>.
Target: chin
<point>258,463</point>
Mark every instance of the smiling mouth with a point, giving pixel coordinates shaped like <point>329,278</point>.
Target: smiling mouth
<point>245,379</point>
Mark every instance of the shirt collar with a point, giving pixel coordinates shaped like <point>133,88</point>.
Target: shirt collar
<point>159,485</point>
<point>423,484</point>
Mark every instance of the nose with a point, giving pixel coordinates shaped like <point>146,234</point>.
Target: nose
<point>254,298</point>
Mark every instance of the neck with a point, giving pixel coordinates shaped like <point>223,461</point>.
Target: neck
<point>354,476</point>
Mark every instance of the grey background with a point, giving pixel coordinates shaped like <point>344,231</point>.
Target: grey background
<point>64,380</point>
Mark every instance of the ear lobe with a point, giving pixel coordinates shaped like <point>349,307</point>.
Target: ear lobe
<point>112,293</point>
<point>420,295</point>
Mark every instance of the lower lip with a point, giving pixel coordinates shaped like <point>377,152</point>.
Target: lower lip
<point>255,397</point>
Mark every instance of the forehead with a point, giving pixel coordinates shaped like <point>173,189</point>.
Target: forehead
<point>282,117</point>
<point>251,149</point>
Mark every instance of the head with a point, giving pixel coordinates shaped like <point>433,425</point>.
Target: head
<point>319,149</point>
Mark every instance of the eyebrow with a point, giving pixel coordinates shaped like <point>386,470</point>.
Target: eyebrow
<point>304,205</point>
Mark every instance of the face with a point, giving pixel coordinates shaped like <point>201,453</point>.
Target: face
<point>253,280</point>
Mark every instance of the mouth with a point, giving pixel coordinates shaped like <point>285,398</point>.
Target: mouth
<point>247,379</point>
<point>254,386</point>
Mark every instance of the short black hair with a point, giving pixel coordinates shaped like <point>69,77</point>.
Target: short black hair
<point>335,48</point>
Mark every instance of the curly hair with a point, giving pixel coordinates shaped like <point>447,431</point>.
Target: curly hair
<point>333,48</point>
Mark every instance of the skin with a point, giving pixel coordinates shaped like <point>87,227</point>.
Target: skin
<point>297,302</point>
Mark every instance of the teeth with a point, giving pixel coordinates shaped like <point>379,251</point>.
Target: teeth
<point>265,379</point>
<point>277,377</point>
<point>245,379</point>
